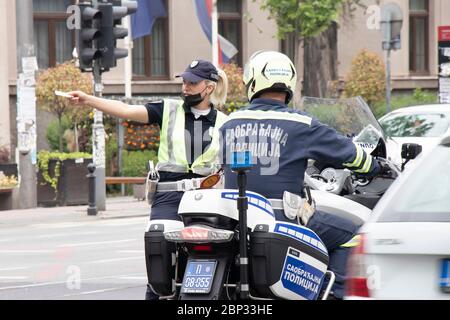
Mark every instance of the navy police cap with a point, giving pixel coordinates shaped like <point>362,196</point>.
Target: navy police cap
<point>200,70</point>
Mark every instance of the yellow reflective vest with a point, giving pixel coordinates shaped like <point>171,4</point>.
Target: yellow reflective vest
<point>172,149</point>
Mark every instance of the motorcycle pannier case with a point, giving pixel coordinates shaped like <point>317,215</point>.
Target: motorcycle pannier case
<point>287,261</point>
<point>160,256</point>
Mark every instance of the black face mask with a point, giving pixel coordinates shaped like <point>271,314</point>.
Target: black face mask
<point>193,100</point>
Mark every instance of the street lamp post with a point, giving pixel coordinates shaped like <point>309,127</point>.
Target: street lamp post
<point>26,105</point>
<point>391,26</point>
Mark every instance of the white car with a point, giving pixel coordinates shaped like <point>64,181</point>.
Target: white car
<point>424,125</point>
<point>404,252</point>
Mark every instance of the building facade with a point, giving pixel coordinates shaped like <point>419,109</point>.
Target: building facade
<point>178,39</point>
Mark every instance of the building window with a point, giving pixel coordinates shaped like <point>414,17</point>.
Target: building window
<point>230,25</point>
<point>150,53</point>
<point>52,41</point>
<point>418,36</point>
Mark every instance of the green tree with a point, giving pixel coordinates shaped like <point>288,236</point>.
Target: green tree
<point>314,23</point>
<point>64,77</point>
<point>236,96</point>
<point>367,78</point>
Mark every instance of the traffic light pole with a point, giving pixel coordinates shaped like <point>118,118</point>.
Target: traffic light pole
<point>98,138</point>
<point>96,45</point>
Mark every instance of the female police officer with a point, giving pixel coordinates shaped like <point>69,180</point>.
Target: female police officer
<point>189,133</point>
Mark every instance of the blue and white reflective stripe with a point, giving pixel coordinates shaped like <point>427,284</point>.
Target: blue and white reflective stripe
<point>304,235</point>
<point>270,115</point>
<point>253,200</point>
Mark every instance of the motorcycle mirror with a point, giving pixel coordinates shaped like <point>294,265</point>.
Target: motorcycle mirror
<point>410,151</point>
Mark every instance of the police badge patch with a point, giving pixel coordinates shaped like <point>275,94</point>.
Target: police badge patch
<point>194,64</point>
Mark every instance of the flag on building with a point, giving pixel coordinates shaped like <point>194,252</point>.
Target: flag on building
<point>143,19</point>
<point>203,9</point>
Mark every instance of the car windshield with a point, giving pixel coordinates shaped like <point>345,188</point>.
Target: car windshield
<point>350,117</point>
<point>425,194</point>
<point>415,125</point>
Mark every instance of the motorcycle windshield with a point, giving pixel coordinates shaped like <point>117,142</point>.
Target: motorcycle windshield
<point>350,117</point>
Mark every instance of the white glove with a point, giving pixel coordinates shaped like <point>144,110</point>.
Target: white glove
<point>306,211</point>
<point>295,206</point>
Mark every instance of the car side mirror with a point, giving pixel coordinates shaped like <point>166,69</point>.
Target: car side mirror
<point>410,151</point>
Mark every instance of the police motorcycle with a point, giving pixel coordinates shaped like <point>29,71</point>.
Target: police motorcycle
<point>229,246</point>
<point>352,118</point>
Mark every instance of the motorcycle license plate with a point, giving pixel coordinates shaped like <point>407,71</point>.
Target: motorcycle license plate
<point>199,276</point>
<point>445,276</point>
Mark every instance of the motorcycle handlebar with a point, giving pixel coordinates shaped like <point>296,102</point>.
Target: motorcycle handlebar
<point>388,170</point>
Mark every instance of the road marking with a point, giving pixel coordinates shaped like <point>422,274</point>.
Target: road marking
<point>141,228</point>
<point>134,278</point>
<point>64,235</point>
<point>59,225</point>
<point>121,223</point>
<point>13,278</point>
<point>95,243</point>
<point>131,251</point>
<point>15,268</point>
<point>65,282</point>
<point>7,240</point>
<point>100,291</point>
<point>115,260</point>
<point>48,236</point>
<point>26,251</point>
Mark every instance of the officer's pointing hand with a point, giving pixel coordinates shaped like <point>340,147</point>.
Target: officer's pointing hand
<point>78,97</point>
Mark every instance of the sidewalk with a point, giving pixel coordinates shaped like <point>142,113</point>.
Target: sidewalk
<point>116,208</point>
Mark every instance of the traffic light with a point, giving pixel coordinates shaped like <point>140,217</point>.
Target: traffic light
<point>87,35</point>
<point>112,14</point>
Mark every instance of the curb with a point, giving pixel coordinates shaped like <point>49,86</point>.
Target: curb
<point>123,217</point>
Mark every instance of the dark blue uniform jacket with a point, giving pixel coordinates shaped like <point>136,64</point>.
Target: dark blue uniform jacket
<point>281,141</point>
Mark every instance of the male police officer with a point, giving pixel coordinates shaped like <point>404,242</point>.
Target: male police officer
<point>281,140</point>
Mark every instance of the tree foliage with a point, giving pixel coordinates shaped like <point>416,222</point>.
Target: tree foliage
<point>367,78</point>
<point>236,96</point>
<point>315,23</point>
<point>307,20</point>
<point>43,162</point>
<point>7,182</point>
<point>307,17</point>
<point>64,77</point>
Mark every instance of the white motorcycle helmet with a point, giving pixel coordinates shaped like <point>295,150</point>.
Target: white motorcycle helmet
<point>269,71</point>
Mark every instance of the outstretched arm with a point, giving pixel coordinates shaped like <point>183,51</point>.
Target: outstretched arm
<point>111,107</point>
